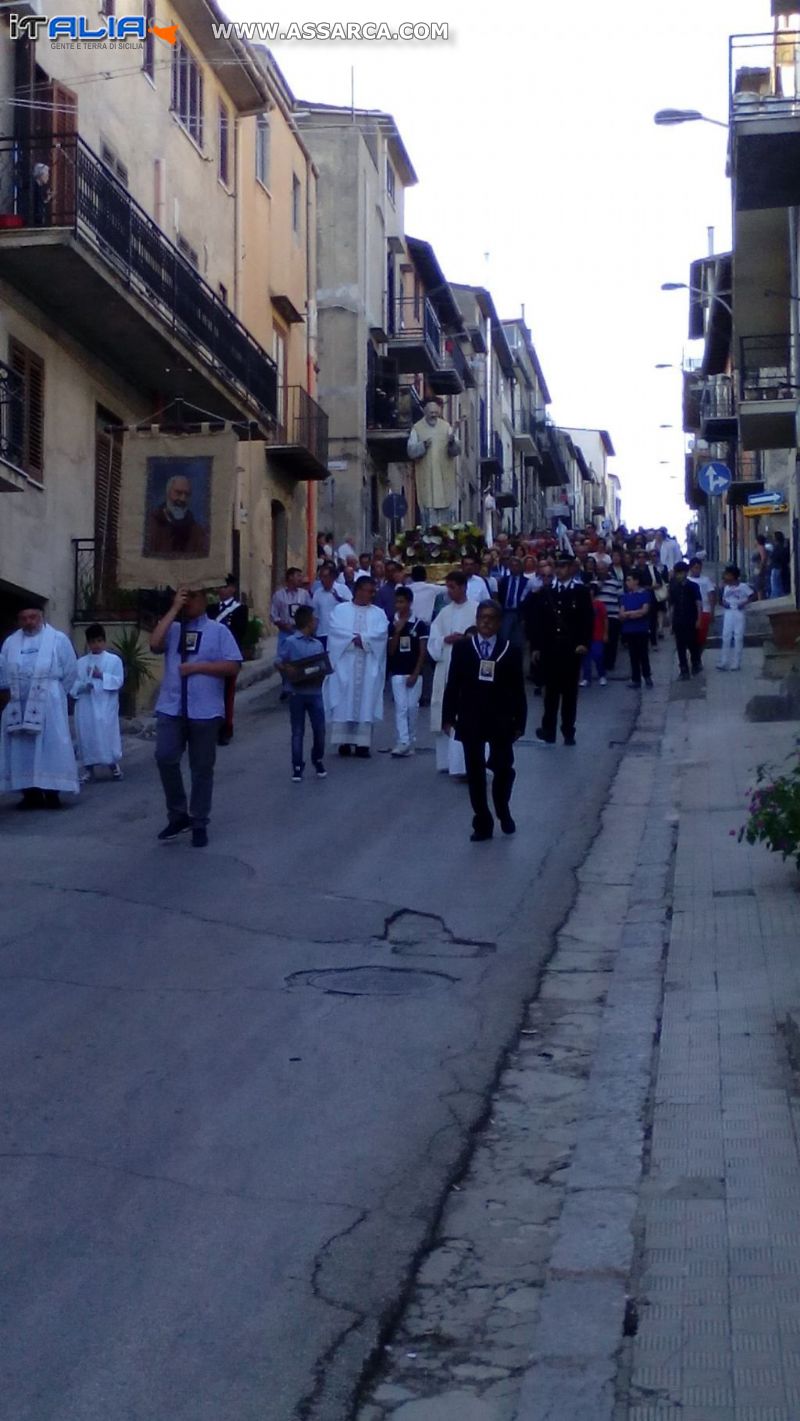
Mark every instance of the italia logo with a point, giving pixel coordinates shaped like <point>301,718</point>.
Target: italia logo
<point>78,28</point>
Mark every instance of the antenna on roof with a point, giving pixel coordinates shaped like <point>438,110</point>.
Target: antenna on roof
<point>353,93</point>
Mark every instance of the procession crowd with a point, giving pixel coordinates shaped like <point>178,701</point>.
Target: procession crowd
<point>568,603</point>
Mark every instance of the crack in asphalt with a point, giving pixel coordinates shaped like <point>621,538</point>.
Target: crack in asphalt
<point>307,1406</point>
<point>187,1184</point>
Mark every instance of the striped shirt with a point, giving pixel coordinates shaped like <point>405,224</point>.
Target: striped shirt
<point>611,590</point>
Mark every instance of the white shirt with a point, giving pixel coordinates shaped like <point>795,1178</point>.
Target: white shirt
<point>706,589</point>
<point>478,589</point>
<point>736,597</point>
<point>324,603</point>
<point>486,645</point>
<point>345,551</point>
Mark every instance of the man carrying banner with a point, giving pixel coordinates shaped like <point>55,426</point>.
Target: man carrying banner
<point>190,708</point>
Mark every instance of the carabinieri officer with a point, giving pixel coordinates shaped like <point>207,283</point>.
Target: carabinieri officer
<point>484,702</point>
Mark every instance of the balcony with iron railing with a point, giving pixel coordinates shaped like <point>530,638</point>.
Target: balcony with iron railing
<point>765,119</point>
<point>300,443</point>
<point>12,417</point>
<point>769,391</point>
<point>392,411</point>
<point>455,373</point>
<point>414,335</point>
<point>718,409</point>
<point>524,432</point>
<point>74,240</point>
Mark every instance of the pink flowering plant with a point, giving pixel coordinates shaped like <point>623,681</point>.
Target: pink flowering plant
<point>774,817</point>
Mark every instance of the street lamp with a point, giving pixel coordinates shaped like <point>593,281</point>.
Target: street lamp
<point>697,291</point>
<point>665,426</point>
<point>667,118</point>
<point>664,365</point>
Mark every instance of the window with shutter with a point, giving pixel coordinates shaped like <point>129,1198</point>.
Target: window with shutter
<point>28,414</point>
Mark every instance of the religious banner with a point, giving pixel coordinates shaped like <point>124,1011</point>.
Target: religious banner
<point>176,501</point>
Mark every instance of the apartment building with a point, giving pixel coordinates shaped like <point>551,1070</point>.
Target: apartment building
<point>593,449</point>
<point>130,293</point>
<point>530,398</point>
<point>764,165</point>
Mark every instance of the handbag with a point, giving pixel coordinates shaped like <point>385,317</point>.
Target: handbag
<point>661,592</point>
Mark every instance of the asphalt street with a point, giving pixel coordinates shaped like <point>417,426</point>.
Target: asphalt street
<point>239,1082</point>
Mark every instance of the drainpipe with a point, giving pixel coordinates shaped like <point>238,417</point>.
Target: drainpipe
<point>311,374</point>
<point>236,213</point>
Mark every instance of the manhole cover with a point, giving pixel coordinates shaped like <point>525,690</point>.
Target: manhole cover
<point>371,981</point>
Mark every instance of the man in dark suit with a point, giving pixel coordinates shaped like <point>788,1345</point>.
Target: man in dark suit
<point>231,613</point>
<point>512,590</point>
<point>484,702</point>
<point>560,620</point>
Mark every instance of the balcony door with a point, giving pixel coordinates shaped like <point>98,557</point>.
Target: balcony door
<point>279,355</point>
<point>54,129</point>
<point>107,480</point>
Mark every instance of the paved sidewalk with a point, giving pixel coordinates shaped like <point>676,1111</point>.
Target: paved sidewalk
<point>625,1245</point>
<point>719,1284</point>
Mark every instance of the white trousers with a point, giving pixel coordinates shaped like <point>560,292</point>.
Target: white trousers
<point>732,639</point>
<point>406,709</point>
<point>450,754</point>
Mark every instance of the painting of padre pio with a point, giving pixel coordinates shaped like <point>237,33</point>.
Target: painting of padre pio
<point>177,521</point>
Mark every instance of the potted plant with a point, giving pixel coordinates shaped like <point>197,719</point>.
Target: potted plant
<point>252,637</point>
<point>137,666</point>
<point>774,817</point>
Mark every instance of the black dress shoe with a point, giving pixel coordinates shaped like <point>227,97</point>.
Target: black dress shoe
<point>52,799</point>
<point>31,799</point>
<point>507,824</point>
<point>199,838</point>
<point>569,739</point>
<point>345,750</point>
<point>479,836</point>
<point>545,739</point>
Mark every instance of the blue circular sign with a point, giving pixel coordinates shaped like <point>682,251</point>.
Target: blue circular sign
<point>714,478</point>
<point>394,506</point>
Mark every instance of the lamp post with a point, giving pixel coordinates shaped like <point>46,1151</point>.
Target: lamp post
<point>669,118</point>
<point>697,291</point>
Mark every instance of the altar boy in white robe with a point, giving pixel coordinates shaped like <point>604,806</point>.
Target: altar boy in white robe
<point>353,694</point>
<point>37,668</point>
<point>456,618</point>
<point>99,679</point>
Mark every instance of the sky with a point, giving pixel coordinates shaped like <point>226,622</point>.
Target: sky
<point>542,176</point>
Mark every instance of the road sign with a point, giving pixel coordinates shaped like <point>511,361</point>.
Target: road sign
<point>395,506</point>
<point>764,500</point>
<point>714,478</point>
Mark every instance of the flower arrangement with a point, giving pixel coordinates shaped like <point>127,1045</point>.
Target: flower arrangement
<point>440,544</point>
<point>774,817</point>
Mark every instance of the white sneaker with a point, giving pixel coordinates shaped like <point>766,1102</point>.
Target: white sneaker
<point>116,773</point>
<point>401,750</point>
<point>583,683</point>
<point>85,777</point>
<point>603,681</point>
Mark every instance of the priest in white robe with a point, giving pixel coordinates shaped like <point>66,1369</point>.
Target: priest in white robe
<point>456,618</point>
<point>99,678</point>
<point>37,668</point>
<point>353,694</point>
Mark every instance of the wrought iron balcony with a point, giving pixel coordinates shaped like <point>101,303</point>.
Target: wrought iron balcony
<point>73,238</point>
<point>492,464</point>
<point>12,415</point>
<point>768,391</point>
<point>454,373</point>
<point>300,444</point>
<point>524,434</point>
<point>765,120</point>
<point>97,596</point>
<point>415,336</point>
<point>555,463</point>
<point>718,409</point>
<point>392,412</point>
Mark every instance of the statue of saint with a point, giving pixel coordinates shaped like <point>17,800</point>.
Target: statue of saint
<point>433,448</point>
